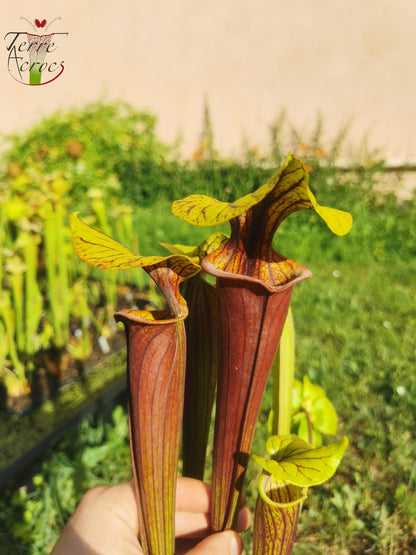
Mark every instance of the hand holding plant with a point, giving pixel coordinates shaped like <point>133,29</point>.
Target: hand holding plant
<point>106,522</point>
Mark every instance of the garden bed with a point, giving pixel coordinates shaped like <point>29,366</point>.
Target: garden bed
<point>25,437</point>
<point>56,369</point>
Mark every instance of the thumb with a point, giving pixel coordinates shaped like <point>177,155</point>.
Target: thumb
<point>220,543</point>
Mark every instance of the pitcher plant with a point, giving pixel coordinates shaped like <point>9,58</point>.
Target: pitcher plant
<point>254,285</point>
<point>202,358</point>
<point>156,353</point>
<point>233,333</point>
<point>293,467</point>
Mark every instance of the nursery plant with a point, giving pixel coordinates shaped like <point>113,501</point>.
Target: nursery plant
<point>254,285</point>
<point>43,170</point>
<point>34,278</point>
<point>46,295</point>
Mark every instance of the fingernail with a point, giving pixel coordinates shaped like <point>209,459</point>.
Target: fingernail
<point>234,547</point>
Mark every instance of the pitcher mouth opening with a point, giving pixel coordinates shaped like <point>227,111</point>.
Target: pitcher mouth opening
<point>151,317</point>
<point>302,274</point>
<point>270,490</point>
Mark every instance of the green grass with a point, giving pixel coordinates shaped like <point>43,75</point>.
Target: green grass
<point>355,336</point>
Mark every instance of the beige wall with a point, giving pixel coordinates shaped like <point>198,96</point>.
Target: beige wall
<point>347,59</point>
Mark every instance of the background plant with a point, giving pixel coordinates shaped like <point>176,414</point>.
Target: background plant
<point>43,171</point>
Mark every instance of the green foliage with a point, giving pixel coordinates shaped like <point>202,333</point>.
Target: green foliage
<point>94,454</point>
<point>110,146</point>
<point>360,348</point>
<point>45,293</point>
<point>313,413</point>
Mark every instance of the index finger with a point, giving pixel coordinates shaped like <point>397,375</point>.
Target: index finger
<point>192,496</point>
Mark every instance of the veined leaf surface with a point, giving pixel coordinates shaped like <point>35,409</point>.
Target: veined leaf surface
<point>297,462</point>
<point>287,191</point>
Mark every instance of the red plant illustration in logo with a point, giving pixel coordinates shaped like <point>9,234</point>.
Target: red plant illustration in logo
<point>40,24</point>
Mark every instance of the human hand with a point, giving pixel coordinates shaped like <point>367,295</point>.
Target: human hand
<point>105,523</point>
